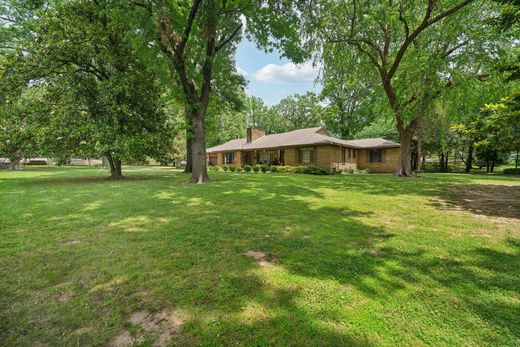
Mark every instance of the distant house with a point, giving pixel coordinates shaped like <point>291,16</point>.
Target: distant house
<point>312,146</point>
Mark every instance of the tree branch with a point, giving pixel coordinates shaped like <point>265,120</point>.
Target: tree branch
<point>225,41</point>
<point>7,19</point>
<point>426,22</point>
<point>189,25</point>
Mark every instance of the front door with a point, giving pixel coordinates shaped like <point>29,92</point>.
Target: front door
<point>247,158</point>
<point>282,157</point>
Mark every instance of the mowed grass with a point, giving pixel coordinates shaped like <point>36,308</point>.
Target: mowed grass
<point>350,260</point>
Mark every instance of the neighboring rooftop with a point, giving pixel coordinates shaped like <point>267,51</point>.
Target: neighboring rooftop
<point>300,137</point>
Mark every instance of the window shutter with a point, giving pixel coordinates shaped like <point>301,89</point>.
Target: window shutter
<point>383,155</point>
<point>343,155</point>
<point>297,155</point>
<point>314,158</point>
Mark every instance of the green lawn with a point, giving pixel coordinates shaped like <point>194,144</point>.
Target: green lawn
<point>349,260</point>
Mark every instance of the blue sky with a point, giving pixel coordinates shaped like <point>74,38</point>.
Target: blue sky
<point>271,77</point>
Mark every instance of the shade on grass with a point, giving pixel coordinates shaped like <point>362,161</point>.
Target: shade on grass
<point>358,260</point>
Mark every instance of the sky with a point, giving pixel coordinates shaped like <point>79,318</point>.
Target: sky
<point>272,78</point>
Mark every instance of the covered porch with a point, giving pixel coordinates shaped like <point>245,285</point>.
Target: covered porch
<point>265,157</point>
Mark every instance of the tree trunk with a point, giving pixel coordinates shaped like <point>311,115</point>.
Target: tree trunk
<point>441,162</point>
<point>199,172</point>
<point>469,160</point>
<point>117,164</point>
<point>115,167</point>
<point>189,137</point>
<point>15,163</point>
<point>446,157</point>
<point>405,160</point>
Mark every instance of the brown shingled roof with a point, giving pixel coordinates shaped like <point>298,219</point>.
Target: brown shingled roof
<point>300,137</point>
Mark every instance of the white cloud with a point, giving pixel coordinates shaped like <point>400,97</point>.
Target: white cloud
<point>287,73</point>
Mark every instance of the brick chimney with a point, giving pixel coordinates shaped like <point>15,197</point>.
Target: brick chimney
<point>254,134</point>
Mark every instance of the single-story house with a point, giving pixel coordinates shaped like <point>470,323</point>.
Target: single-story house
<point>312,146</point>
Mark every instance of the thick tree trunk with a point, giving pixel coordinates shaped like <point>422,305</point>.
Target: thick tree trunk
<point>199,172</point>
<point>469,160</point>
<point>15,164</point>
<point>405,160</point>
<point>446,157</point>
<point>119,174</point>
<point>115,167</point>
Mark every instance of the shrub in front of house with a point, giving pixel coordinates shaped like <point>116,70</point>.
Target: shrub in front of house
<point>213,168</point>
<point>351,171</point>
<point>248,168</point>
<point>225,168</point>
<point>311,170</point>
<point>283,169</point>
<point>273,169</point>
<point>256,168</point>
<point>264,168</point>
<point>232,168</point>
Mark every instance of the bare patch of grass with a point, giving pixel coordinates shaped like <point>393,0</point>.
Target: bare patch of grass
<point>260,257</point>
<point>164,324</point>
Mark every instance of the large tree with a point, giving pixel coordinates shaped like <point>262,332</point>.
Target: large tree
<point>351,96</point>
<point>192,35</point>
<point>299,111</point>
<point>102,92</point>
<point>412,46</point>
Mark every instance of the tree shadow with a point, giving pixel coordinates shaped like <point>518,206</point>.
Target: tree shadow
<point>488,200</point>
<point>183,245</point>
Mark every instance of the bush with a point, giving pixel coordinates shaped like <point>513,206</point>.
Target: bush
<point>225,168</point>
<point>248,168</point>
<point>512,171</point>
<point>264,168</point>
<point>311,170</point>
<point>283,169</point>
<point>351,171</point>
<point>274,169</point>
<point>213,168</point>
<point>232,168</point>
<point>256,168</point>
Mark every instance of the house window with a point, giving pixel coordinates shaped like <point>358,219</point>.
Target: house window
<point>229,158</point>
<point>350,153</point>
<point>306,155</point>
<point>376,156</point>
<point>265,157</point>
